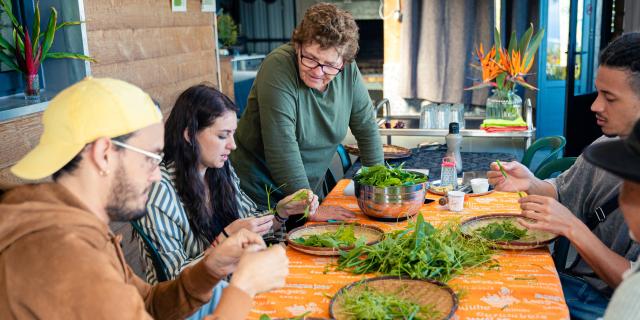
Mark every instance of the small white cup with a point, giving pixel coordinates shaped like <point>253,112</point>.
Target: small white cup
<point>456,200</point>
<point>480,185</point>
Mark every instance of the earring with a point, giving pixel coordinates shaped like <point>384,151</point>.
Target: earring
<point>104,173</point>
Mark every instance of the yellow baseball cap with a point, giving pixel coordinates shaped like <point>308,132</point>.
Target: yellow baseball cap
<point>82,113</point>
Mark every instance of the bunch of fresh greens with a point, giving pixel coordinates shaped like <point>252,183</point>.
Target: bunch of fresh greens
<point>501,231</point>
<point>420,251</point>
<point>342,237</point>
<point>301,195</point>
<point>386,176</point>
<point>364,302</point>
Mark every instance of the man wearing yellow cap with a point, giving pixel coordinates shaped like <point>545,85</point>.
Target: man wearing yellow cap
<point>58,259</point>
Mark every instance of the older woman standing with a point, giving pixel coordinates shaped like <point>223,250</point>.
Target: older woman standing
<point>306,95</point>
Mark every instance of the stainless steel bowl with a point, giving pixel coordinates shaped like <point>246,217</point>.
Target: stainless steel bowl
<point>391,202</point>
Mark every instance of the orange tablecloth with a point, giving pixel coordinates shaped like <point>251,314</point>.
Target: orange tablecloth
<point>525,286</point>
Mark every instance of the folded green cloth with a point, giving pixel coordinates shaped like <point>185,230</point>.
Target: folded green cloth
<point>504,123</point>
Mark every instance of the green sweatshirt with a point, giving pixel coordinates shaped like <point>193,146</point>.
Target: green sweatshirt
<point>289,133</point>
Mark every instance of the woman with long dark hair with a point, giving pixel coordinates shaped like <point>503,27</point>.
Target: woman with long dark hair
<point>198,200</point>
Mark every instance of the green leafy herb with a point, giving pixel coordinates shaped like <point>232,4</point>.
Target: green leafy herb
<point>301,195</point>
<point>364,302</point>
<point>269,190</point>
<point>342,237</point>
<point>504,174</point>
<point>419,251</point>
<point>300,317</point>
<point>501,231</point>
<point>386,176</point>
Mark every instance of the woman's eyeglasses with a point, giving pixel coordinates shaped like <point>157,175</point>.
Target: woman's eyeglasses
<point>312,64</point>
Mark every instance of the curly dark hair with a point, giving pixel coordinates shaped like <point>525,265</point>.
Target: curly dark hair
<point>623,53</point>
<point>196,109</point>
<point>330,27</point>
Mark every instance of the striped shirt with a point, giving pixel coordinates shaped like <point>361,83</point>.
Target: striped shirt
<point>167,225</point>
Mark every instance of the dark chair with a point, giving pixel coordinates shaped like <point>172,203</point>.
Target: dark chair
<point>330,179</point>
<point>553,143</point>
<point>158,265</point>
<point>558,165</point>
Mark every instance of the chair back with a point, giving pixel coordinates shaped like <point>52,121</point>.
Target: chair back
<point>158,265</point>
<point>553,143</point>
<point>344,158</point>
<point>558,165</point>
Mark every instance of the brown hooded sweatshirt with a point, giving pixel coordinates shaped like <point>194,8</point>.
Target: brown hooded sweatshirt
<point>59,261</point>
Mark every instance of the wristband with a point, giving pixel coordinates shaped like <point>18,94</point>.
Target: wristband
<point>279,218</point>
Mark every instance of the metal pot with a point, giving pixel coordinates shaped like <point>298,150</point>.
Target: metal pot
<point>394,202</point>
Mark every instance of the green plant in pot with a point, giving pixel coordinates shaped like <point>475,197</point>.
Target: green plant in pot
<point>227,30</point>
<point>30,48</point>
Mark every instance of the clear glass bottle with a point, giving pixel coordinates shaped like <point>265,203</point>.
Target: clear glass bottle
<point>504,104</point>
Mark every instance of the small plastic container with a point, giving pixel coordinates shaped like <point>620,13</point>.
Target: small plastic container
<point>455,200</point>
<point>480,185</point>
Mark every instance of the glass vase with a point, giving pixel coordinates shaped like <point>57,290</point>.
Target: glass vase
<point>32,87</point>
<point>504,105</point>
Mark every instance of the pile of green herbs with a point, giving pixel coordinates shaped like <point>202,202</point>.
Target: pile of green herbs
<point>501,231</point>
<point>387,176</point>
<point>419,251</point>
<point>343,237</point>
<point>364,302</point>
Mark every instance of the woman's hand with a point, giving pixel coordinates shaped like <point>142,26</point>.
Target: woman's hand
<point>260,225</point>
<point>290,205</point>
<point>326,213</point>
<point>519,177</point>
<point>549,215</point>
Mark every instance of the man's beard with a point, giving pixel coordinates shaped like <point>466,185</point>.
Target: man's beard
<point>123,198</point>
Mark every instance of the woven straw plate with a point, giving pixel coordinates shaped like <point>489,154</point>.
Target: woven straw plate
<point>371,234</point>
<point>532,240</point>
<point>390,151</point>
<point>434,188</point>
<point>421,291</point>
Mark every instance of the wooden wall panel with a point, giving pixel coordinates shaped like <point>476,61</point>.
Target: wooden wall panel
<point>17,137</point>
<point>143,42</point>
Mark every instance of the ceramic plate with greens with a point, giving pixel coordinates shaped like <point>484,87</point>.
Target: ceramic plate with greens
<point>505,232</point>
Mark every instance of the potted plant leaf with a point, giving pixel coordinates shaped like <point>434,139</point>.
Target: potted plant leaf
<point>28,49</point>
<point>227,31</point>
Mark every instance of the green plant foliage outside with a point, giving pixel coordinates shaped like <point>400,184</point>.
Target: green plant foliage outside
<point>177,2</point>
<point>501,231</point>
<point>227,30</point>
<point>30,48</point>
<point>388,175</point>
<point>364,302</point>
<point>343,237</point>
<point>420,251</point>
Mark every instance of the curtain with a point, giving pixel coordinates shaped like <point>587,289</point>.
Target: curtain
<point>437,41</point>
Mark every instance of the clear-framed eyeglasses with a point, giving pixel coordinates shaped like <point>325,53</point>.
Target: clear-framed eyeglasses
<point>153,158</point>
<point>312,64</point>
